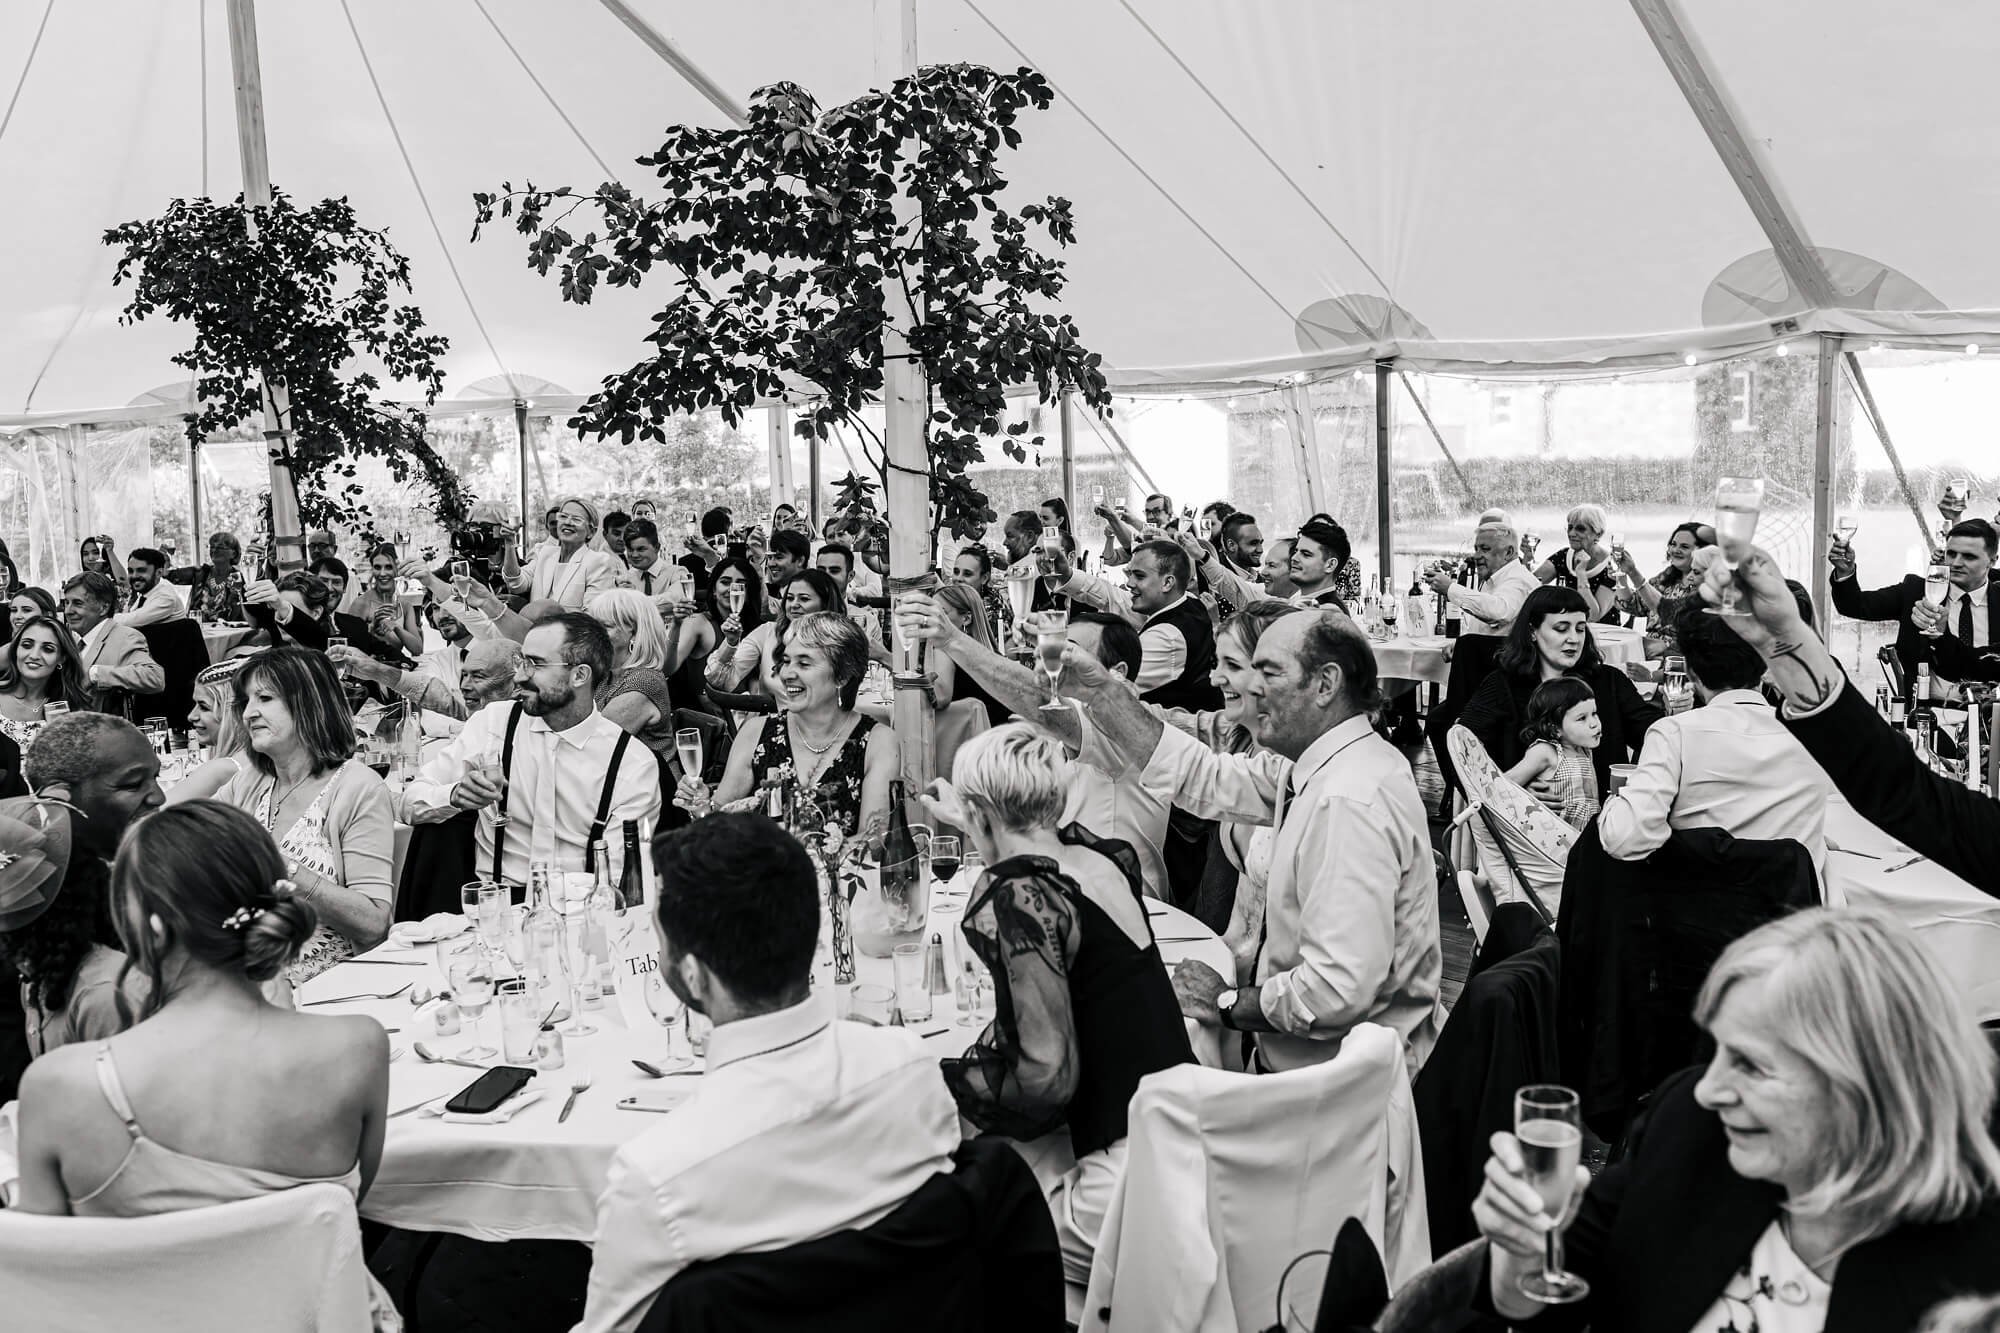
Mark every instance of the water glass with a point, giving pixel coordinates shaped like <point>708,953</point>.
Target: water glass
<point>913,992</point>
<point>471,975</point>
<point>52,711</point>
<point>975,992</point>
<point>873,1004</point>
<point>520,1020</point>
<point>1548,1124</point>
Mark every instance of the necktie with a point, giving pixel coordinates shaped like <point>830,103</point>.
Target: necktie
<point>1965,619</point>
<point>647,578</point>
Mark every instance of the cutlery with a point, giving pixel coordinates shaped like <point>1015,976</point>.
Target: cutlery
<point>654,1071</point>
<point>430,1057</point>
<point>1179,939</point>
<point>345,999</point>
<point>393,962</point>
<point>1902,865</point>
<point>407,1109</point>
<point>578,1086</point>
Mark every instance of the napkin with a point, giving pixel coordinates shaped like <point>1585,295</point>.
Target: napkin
<point>499,1115</point>
<point>437,926</point>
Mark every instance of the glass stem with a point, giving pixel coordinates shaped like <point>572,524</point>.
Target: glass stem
<point>1552,1255</point>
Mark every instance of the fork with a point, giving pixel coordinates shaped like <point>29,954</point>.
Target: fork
<point>344,999</point>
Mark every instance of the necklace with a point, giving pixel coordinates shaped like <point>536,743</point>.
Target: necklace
<point>278,801</point>
<point>799,735</point>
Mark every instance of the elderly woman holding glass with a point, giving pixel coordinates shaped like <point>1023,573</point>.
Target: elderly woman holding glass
<point>568,570</point>
<point>1832,1168</point>
<point>327,810</point>
<point>1585,561</point>
<point>1658,598</point>
<point>843,761</point>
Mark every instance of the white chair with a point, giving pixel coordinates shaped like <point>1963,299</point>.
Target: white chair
<point>1477,895</point>
<point>1523,845</point>
<point>278,1263</point>
<point>1230,1177</point>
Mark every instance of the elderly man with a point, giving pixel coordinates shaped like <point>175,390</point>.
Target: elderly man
<point>320,545</point>
<point>1176,637</point>
<point>154,602</point>
<point>1488,616</point>
<point>451,683</point>
<point>114,656</point>
<point>1350,915</point>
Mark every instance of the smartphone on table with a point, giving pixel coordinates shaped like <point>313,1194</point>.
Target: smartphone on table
<point>489,1090</point>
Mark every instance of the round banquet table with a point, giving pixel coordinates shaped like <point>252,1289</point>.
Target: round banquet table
<point>1865,867</point>
<point>532,1177</point>
<point>1423,657</point>
<point>223,639</point>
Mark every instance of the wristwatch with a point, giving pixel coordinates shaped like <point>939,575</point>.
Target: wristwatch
<point>1224,1002</point>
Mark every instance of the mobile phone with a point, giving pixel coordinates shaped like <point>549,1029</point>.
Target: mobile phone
<point>489,1090</point>
<point>738,550</point>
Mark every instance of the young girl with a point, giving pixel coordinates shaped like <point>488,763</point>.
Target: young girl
<point>1561,732</point>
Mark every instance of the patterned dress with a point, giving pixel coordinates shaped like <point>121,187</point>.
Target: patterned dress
<point>1573,774</point>
<point>305,845</point>
<point>837,788</point>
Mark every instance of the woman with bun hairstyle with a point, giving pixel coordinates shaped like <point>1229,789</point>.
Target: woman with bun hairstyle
<point>214,1094</point>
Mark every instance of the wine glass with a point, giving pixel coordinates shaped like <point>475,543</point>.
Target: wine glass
<point>495,915</point>
<point>1738,502</point>
<point>944,853</point>
<point>470,973</point>
<point>334,641</point>
<point>1548,1125</point>
<point>687,744</point>
<point>1845,529</point>
<point>53,710</point>
<point>669,1011</point>
<point>1051,631</point>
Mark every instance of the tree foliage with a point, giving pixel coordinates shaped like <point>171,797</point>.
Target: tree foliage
<point>782,237</point>
<point>311,292</point>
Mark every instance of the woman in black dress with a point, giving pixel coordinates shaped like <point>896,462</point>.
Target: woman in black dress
<point>1083,1007</point>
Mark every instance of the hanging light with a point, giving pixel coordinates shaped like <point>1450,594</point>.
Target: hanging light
<point>1360,372</point>
<point>1878,347</point>
<point>1690,359</point>
<point>1784,349</point>
<point>1972,349</point>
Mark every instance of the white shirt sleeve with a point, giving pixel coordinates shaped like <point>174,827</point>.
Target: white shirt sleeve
<point>1347,869</point>
<point>1501,601</point>
<point>1221,786</point>
<point>1162,656</point>
<point>428,795</point>
<point>634,1254</point>
<point>1633,824</point>
<point>1104,595</point>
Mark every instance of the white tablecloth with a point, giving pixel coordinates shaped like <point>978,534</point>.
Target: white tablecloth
<point>532,1177</point>
<point>1960,924</point>
<point>223,639</point>
<point>1424,658</point>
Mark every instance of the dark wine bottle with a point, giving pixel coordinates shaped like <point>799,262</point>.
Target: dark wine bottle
<point>901,885</point>
<point>632,880</point>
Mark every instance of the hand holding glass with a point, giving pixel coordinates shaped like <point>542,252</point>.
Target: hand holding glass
<point>1937,583</point>
<point>1051,631</point>
<point>1548,1125</point>
<point>1738,502</point>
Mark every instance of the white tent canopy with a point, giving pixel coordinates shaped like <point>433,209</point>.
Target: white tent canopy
<point>1260,189</point>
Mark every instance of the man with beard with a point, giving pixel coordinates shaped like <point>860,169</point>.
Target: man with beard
<point>560,773</point>
<point>153,602</point>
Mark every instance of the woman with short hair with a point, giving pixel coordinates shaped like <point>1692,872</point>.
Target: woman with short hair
<point>327,810</point>
<point>1659,598</point>
<point>1832,1168</point>
<point>1583,561</point>
<point>568,569</point>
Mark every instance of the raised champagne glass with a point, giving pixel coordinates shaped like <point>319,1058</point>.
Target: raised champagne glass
<point>1738,502</point>
<point>1548,1124</point>
<point>1051,631</point>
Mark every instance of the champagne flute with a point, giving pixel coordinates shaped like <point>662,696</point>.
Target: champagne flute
<point>1937,584</point>
<point>1052,546</point>
<point>1548,1125</point>
<point>490,768</point>
<point>1738,502</point>
<point>461,577</point>
<point>1845,529</point>
<point>1051,631</point>
<point>471,977</point>
<point>735,598</point>
<point>334,641</point>
<point>687,744</point>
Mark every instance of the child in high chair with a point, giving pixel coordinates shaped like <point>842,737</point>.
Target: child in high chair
<point>1562,729</point>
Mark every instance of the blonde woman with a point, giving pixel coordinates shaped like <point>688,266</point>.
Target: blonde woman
<point>1832,1168</point>
<point>568,570</point>
<point>1586,560</point>
<point>217,728</point>
<point>966,606</point>
<point>635,695</point>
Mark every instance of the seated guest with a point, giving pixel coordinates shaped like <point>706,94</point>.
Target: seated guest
<point>1491,610</point>
<point>215,590</point>
<point>635,696</point>
<point>842,760</point>
<point>1276,571</point>
<point>1831,1168</point>
<point>613,531</point>
<point>96,775</point>
<point>97,555</point>
<point>1961,646</point>
<point>321,545</point>
<point>32,601</point>
<point>1239,547</point>
<point>1319,555</point>
<point>547,760</point>
<point>1550,638</point>
<point>1084,1009</point>
<point>706,550</point>
<point>1021,536</point>
<point>436,683</point>
<point>1728,764</point>
<point>331,571</point>
<point>153,602</point>
<point>215,1095</point>
<point>643,570</point>
<point>1586,560</point>
<point>1350,928</point>
<point>973,568</point>
<point>213,724</point>
<point>789,554</point>
<point>1969,601</point>
<point>1560,730</point>
<point>43,665</point>
<point>1658,598</point>
<point>1268,578</point>
<point>114,656</point>
<point>1176,637</point>
<point>567,569</point>
<point>967,609</point>
<point>752,662</point>
<point>802,1126</point>
<point>736,606</point>
<point>378,603</point>
<point>328,810</point>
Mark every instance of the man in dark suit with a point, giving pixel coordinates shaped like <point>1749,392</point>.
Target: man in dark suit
<point>1966,619</point>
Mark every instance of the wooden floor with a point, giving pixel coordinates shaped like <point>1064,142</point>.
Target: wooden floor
<point>1454,930</point>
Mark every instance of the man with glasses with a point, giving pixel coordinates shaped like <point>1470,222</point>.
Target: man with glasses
<point>558,772</point>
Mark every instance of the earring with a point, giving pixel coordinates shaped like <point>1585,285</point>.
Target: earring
<point>157,926</point>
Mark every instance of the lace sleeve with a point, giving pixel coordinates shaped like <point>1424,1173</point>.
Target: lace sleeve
<point>1018,1077</point>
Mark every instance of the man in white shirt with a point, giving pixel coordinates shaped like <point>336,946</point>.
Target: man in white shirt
<point>154,602</point>
<point>1176,638</point>
<point>1350,915</point>
<point>1959,634</point>
<point>1729,764</point>
<point>1319,555</point>
<point>562,764</point>
<point>115,656</point>
<point>801,1126</point>
<point>1491,609</point>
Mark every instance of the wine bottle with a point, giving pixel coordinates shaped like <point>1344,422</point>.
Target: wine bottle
<point>541,935</point>
<point>632,878</point>
<point>600,975</point>
<point>902,885</point>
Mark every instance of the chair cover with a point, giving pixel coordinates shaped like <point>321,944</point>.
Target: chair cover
<point>275,1263</point>
<point>182,653</point>
<point>1523,845</point>
<point>1229,1177</point>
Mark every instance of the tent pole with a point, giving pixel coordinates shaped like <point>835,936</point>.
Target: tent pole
<point>1826,411</point>
<point>1305,445</point>
<point>813,470</point>
<point>195,548</point>
<point>288,542</point>
<point>521,443</point>
<point>662,46</point>
<point>776,418</point>
<point>905,413</point>
<point>1385,556</point>
<point>1069,464</point>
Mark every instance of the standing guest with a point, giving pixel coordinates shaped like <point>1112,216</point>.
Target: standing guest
<point>548,760</point>
<point>328,811</point>
<point>213,725</point>
<point>1233,586</point>
<point>1054,513</point>
<point>96,555</point>
<point>1659,597</point>
<point>1240,544</point>
<point>1729,764</point>
<point>1350,929</point>
<point>320,545</point>
<point>1959,631</point>
<point>1584,560</point>
<point>1160,512</point>
<point>635,696</point>
<point>43,666</point>
<point>95,775</point>
<point>1176,637</point>
<point>215,590</point>
<point>843,760</point>
<point>1551,638</point>
<point>789,554</point>
<point>379,602</point>
<point>1968,556</point>
<point>973,567</point>
<point>152,601</point>
<point>1083,1007</point>
<point>216,1094</point>
<point>1831,1168</point>
<point>803,1125</point>
<point>613,529</point>
<point>1319,554</point>
<point>114,656</point>
<point>1021,535</point>
<point>566,569</point>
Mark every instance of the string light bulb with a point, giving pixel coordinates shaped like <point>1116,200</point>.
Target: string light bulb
<point>1690,359</point>
<point>1972,349</point>
<point>1784,349</point>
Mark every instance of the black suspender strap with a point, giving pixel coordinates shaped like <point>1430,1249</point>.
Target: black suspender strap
<point>507,770</point>
<point>604,802</point>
